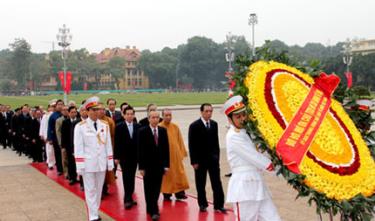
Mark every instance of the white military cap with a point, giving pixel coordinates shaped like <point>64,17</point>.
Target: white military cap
<point>234,105</point>
<point>91,102</point>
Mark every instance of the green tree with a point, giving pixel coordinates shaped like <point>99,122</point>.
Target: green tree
<point>203,60</point>
<point>363,69</point>
<point>19,62</point>
<point>160,67</point>
<point>39,69</point>
<point>80,62</point>
<point>241,46</point>
<point>6,85</point>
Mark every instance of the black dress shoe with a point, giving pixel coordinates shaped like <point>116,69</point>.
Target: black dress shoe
<point>181,197</point>
<point>221,210</point>
<point>72,182</point>
<point>133,202</point>
<point>228,175</point>
<point>203,209</point>
<point>167,199</point>
<point>128,205</point>
<point>155,217</point>
<point>98,219</point>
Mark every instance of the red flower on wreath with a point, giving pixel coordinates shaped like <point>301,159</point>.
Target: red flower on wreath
<point>232,84</point>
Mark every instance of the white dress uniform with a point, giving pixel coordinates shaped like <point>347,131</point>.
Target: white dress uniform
<point>50,153</point>
<point>93,155</point>
<point>246,188</point>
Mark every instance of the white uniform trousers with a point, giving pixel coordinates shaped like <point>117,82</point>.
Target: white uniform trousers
<point>251,210</point>
<point>93,184</point>
<point>51,161</point>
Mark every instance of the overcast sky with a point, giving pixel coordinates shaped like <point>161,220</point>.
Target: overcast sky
<point>154,24</point>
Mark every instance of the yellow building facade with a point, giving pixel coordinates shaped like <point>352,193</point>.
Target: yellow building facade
<point>363,46</point>
<point>133,78</point>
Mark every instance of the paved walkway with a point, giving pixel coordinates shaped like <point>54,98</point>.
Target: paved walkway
<point>26,194</point>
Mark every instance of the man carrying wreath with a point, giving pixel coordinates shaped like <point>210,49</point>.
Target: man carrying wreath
<point>246,189</point>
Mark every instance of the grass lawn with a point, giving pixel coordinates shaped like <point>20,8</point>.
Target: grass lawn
<point>135,99</point>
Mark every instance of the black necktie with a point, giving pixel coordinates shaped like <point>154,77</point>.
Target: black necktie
<point>207,125</point>
<point>95,126</point>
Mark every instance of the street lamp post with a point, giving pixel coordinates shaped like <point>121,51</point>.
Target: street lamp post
<point>177,69</point>
<point>253,20</point>
<point>348,58</point>
<point>229,56</point>
<point>64,39</point>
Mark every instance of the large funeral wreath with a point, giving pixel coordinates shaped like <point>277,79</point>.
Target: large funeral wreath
<point>338,170</point>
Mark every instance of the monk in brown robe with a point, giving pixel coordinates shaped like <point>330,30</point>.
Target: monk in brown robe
<point>175,181</point>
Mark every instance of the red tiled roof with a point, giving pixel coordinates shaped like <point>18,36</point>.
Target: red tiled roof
<point>129,54</point>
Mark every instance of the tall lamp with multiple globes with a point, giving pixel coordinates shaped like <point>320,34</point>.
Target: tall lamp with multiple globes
<point>64,39</point>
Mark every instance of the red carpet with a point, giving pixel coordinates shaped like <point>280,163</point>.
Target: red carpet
<point>113,205</point>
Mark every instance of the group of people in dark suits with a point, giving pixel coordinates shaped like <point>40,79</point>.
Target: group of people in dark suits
<point>146,146</point>
<point>19,130</point>
<point>150,142</point>
<point>143,145</point>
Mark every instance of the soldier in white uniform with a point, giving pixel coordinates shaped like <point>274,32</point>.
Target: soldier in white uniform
<point>93,155</point>
<point>246,189</point>
<point>50,153</point>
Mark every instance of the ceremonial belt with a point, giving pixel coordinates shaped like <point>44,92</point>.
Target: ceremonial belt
<point>243,169</point>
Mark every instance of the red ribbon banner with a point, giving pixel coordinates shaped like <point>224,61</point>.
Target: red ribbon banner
<point>299,134</point>
<point>68,87</point>
<point>349,78</point>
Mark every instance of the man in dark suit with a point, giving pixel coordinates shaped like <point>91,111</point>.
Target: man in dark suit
<point>9,115</point>
<point>52,138</point>
<point>153,161</point>
<point>2,127</point>
<point>112,112</point>
<point>67,142</point>
<point>35,141</point>
<point>5,119</point>
<point>14,131</point>
<point>205,157</point>
<point>126,153</point>
<point>24,123</point>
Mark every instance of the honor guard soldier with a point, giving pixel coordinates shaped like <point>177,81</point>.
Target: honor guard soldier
<point>93,155</point>
<point>246,189</point>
